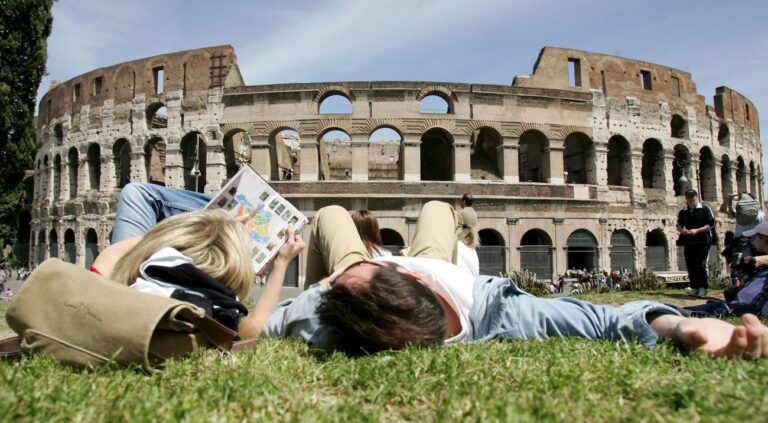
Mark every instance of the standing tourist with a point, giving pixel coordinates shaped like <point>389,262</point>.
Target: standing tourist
<point>694,224</point>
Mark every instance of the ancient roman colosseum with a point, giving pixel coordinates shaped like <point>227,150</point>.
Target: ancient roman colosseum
<point>580,164</point>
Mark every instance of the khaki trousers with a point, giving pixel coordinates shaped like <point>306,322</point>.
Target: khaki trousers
<point>334,242</point>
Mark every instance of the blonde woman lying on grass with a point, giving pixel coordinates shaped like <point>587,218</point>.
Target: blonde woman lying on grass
<point>202,257</point>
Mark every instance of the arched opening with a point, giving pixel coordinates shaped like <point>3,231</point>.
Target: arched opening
<point>726,175</point>
<point>40,246</point>
<point>57,177</point>
<point>53,244</point>
<point>485,160</point>
<point>741,174</point>
<point>723,134</point>
<point>285,163</point>
<point>678,127</point>
<point>70,249</point>
<point>579,159</point>
<point>58,134</point>
<point>335,104</point>
<point>653,164</point>
<point>94,166</point>
<point>23,235</point>
<point>194,155</point>
<point>384,154</point>
<point>536,254</point>
<point>436,155</point>
<point>154,161</point>
<point>392,240</point>
<point>581,250</point>
<point>619,162</point>
<point>681,170</point>
<point>121,152</point>
<point>435,104</point>
<point>73,162</point>
<point>237,150</point>
<point>622,250</point>
<point>157,116</point>
<point>656,251</point>
<point>46,177</point>
<point>492,253</point>
<point>533,160</point>
<point>91,247</point>
<point>336,155</point>
<point>707,175</point>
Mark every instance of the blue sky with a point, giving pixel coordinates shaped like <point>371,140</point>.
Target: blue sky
<point>720,43</point>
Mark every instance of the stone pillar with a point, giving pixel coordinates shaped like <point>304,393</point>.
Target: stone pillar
<point>718,182</point>
<point>669,183</point>
<point>554,165</point>
<point>138,166</point>
<point>509,153</point>
<point>310,161</point>
<point>410,158</point>
<point>637,189</point>
<point>215,166</point>
<point>64,179</point>
<point>601,163</point>
<point>261,152</point>
<point>461,158</point>
<point>359,146</point>
<point>108,180</point>
<point>174,165</point>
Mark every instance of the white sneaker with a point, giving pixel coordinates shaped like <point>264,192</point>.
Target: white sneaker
<point>702,292</point>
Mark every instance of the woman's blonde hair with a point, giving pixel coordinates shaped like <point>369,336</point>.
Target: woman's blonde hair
<point>469,236</point>
<point>216,243</point>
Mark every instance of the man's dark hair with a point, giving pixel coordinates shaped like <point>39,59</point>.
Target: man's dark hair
<point>467,199</point>
<point>393,311</point>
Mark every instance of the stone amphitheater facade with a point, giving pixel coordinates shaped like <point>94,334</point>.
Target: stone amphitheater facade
<point>582,163</point>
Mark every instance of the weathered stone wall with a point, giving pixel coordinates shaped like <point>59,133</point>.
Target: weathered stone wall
<point>553,155</point>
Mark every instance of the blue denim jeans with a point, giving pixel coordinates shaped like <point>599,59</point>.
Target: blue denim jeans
<point>142,205</point>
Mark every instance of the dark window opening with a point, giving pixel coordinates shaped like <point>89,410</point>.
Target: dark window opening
<point>217,71</point>
<point>97,85</point>
<point>746,110</point>
<point>645,79</point>
<point>158,75</point>
<point>574,72</point>
<point>76,93</point>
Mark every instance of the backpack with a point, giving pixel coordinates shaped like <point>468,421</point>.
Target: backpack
<point>753,297</point>
<point>746,210</point>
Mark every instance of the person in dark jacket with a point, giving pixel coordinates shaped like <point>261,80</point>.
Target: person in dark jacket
<point>694,224</point>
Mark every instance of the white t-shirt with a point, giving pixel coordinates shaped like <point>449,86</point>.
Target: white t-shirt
<point>449,281</point>
<point>467,258</point>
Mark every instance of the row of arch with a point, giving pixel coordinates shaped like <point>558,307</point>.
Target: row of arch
<point>47,245</point>
<point>437,160</point>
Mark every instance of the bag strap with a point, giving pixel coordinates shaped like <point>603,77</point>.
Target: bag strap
<point>221,337</point>
<point>10,348</point>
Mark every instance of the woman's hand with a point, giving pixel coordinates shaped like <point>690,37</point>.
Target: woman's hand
<point>292,247</point>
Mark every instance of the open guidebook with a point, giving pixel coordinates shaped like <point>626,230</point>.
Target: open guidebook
<point>267,214</point>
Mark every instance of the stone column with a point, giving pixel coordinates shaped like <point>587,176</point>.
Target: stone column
<point>138,166</point>
<point>718,182</point>
<point>215,166</point>
<point>309,160</point>
<point>174,165</point>
<point>554,165</point>
<point>509,153</point>
<point>637,189</point>
<point>461,158</point>
<point>359,147</point>
<point>108,180</point>
<point>669,183</point>
<point>601,163</point>
<point>261,159</point>
<point>410,158</point>
<point>64,179</point>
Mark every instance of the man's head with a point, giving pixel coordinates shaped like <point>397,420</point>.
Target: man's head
<point>691,198</point>
<point>760,235</point>
<point>374,306</point>
<point>467,200</point>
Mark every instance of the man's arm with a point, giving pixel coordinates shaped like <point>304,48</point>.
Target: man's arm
<point>253,324</point>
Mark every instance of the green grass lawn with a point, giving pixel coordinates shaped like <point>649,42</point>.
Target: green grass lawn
<point>559,380</point>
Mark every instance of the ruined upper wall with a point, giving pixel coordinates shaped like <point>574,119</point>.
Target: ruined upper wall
<point>615,76</point>
<point>191,71</point>
<point>729,104</point>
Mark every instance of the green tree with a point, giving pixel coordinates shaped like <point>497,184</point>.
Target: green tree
<point>24,29</point>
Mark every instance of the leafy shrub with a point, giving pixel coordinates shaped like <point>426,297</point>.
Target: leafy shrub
<point>529,283</point>
<point>642,280</point>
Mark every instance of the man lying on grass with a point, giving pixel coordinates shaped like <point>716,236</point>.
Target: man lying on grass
<point>421,299</point>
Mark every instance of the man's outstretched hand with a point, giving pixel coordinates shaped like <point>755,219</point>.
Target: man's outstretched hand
<point>716,337</point>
